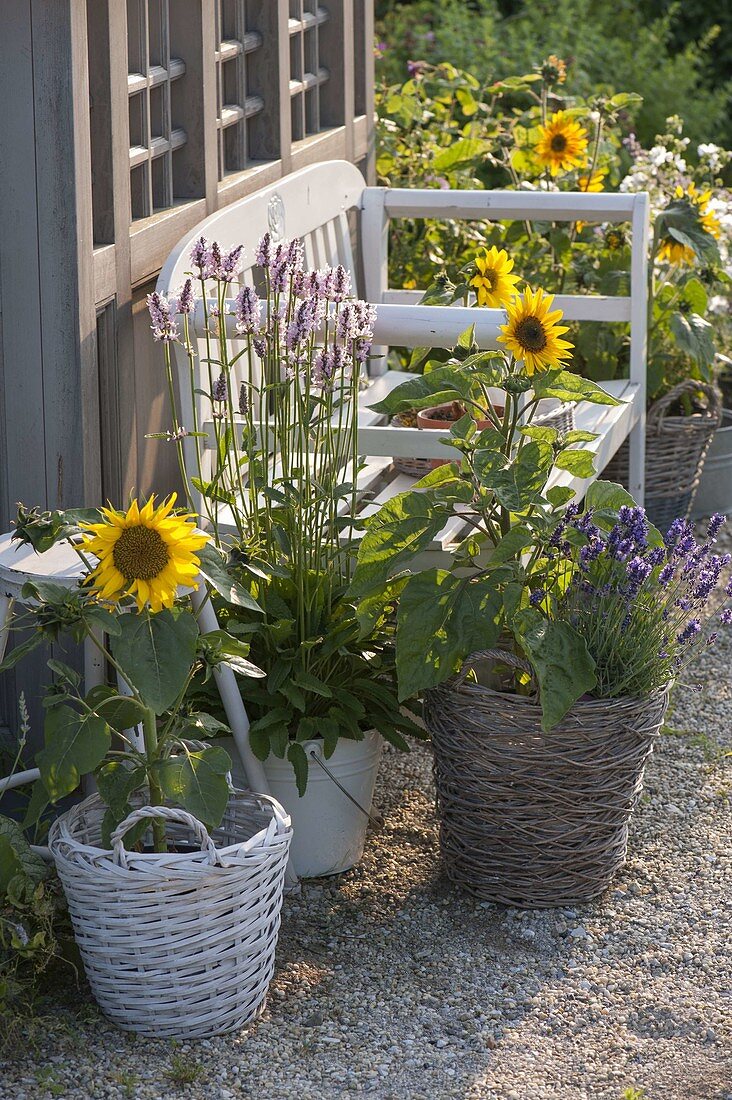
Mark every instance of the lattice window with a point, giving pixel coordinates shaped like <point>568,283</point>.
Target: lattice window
<point>236,104</point>
<point>307,75</point>
<point>153,139</point>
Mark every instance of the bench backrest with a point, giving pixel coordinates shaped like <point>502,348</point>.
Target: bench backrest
<point>314,205</point>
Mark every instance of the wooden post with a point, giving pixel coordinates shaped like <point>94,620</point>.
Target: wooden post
<point>49,379</point>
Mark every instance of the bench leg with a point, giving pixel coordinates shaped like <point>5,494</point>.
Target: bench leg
<point>6,618</point>
<point>236,713</point>
<point>637,462</point>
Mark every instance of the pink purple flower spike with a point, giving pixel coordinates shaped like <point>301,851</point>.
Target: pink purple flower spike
<point>248,311</point>
<point>164,326</point>
<point>199,255</point>
<point>185,300</point>
<point>220,390</point>
<point>264,251</point>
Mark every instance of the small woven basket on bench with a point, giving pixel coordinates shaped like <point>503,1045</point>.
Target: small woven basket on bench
<point>179,943</point>
<point>676,447</point>
<point>529,818</point>
<point>557,414</point>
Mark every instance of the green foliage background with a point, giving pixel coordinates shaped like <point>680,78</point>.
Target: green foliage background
<point>678,57</point>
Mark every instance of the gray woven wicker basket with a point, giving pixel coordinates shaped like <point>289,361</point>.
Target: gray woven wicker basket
<point>676,447</point>
<point>177,944</point>
<point>529,818</point>
<point>556,414</point>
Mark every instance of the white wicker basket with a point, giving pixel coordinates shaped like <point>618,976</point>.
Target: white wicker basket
<point>180,943</point>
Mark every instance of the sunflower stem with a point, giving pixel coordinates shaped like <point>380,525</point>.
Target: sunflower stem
<point>150,736</point>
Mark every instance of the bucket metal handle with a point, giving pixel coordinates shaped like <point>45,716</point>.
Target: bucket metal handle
<point>377,822</point>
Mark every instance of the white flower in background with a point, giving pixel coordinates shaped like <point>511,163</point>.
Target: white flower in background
<point>713,157</point>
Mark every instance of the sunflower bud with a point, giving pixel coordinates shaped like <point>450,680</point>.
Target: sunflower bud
<point>553,71</point>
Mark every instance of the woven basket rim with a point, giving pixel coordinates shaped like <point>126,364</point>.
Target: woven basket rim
<point>532,701</point>
<point>61,833</point>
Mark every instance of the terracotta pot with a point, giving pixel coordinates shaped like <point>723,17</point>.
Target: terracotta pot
<point>442,416</point>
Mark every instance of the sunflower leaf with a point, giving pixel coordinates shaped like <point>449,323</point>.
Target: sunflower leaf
<point>223,578</point>
<point>571,387</point>
<point>75,745</point>
<point>155,651</point>
<point>425,390</point>
<point>197,782</point>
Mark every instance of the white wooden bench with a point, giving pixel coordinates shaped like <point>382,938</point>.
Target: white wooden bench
<point>341,220</point>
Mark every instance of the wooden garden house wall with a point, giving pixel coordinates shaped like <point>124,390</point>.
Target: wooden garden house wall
<point>123,124</point>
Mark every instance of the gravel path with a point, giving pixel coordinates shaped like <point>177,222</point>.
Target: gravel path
<point>393,985</point>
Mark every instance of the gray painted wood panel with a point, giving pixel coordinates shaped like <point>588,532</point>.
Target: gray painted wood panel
<point>80,380</point>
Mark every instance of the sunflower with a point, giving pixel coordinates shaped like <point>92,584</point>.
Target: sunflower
<point>554,70</point>
<point>562,144</point>
<point>615,238</point>
<point>532,332</point>
<point>144,552</point>
<point>494,284</point>
<point>595,182</point>
<point>591,183</point>
<point>673,251</point>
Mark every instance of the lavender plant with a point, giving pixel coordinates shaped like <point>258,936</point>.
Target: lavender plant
<point>645,606</point>
<point>281,376</point>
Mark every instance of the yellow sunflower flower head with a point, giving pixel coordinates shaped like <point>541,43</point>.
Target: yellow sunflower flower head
<point>532,333</point>
<point>674,252</point>
<point>615,238</point>
<point>494,284</point>
<point>145,552</point>
<point>562,144</point>
<point>700,199</point>
<point>593,183</point>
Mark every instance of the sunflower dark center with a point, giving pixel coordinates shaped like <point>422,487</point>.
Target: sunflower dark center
<point>140,554</point>
<point>530,334</point>
<point>559,143</point>
<point>489,277</point>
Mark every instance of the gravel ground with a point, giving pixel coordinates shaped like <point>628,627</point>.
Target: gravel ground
<point>392,984</point>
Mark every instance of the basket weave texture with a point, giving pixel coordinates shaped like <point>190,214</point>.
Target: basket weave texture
<point>561,418</point>
<point>676,447</point>
<point>529,818</point>
<point>179,943</point>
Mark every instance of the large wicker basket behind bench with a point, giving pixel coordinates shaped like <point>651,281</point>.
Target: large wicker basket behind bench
<point>676,447</point>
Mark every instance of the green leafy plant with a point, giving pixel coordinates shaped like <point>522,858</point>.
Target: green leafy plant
<point>183,1070</point>
<point>623,46</point>
<point>283,466</point>
<point>33,930</point>
<point>155,655</point>
<point>534,131</point>
<point>500,488</point>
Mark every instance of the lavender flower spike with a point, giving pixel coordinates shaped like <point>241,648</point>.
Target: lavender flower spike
<point>199,255</point>
<point>231,264</point>
<point>220,390</point>
<point>715,525</point>
<point>690,631</point>
<point>264,251</point>
<point>339,285</point>
<point>185,300</point>
<point>164,326</point>
<point>248,311</point>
